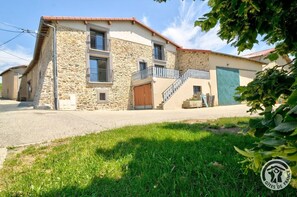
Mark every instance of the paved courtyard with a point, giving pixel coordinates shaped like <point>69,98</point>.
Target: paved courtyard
<point>21,125</point>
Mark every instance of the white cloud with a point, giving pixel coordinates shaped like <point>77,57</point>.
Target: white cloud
<point>14,57</point>
<point>183,32</point>
<point>145,20</point>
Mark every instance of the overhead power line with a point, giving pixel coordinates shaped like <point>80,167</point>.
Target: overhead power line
<point>23,29</point>
<point>12,26</point>
<point>11,39</point>
<point>14,55</point>
<point>12,31</point>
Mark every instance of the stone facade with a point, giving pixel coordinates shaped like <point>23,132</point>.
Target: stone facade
<point>193,59</point>
<point>73,63</point>
<point>44,76</point>
<point>127,44</point>
<point>171,60</point>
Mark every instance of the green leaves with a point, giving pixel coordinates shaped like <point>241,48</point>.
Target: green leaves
<point>273,56</point>
<point>268,86</point>
<point>272,142</point>
<point>268,18</point>
<point>286,127</point>
<point>246,152</point>
<point>241,22</point>
<point>292,100</point>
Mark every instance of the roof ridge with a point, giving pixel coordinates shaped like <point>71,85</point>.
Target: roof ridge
<point>259,53</point>
<point>76,18</point>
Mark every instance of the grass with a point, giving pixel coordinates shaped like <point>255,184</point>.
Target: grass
<point>167,159</point>
<point>0,87</point>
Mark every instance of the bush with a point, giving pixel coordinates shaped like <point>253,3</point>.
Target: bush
<point>277,129</point>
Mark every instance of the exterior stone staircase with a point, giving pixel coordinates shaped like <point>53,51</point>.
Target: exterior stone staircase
<point>174,87</point>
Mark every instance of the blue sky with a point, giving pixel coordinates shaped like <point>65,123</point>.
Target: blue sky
<point>174,19</point>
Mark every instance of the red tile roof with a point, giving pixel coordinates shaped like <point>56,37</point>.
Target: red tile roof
<point>194,50</point>
<point>259,53</point>
<point>48,19</point>
<point>218,53</point>
<point>69,18</point>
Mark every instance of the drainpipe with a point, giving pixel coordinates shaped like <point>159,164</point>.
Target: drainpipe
<point>55,67</point>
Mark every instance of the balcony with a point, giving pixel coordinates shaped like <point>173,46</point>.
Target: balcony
<point>155,72</point>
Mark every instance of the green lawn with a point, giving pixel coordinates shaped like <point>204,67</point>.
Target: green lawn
<point>168,159</point>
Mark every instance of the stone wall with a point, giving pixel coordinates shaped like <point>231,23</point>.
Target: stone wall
<point>42,75</point>
<point>171,60</point>
<point>73,64</point>
<point>193,59</point>
<point>71,61</point>
<point>75,90</point>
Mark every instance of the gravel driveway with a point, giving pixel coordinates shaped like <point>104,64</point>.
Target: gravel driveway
<point>20,124</point>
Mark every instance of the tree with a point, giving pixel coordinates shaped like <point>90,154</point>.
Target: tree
<point>241,22</point>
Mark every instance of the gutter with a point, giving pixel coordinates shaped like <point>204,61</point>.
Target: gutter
<point>55,67</point>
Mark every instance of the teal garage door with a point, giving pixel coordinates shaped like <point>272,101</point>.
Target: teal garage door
<point>227,81</point>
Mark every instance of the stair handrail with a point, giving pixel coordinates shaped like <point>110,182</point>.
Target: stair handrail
<point>175,85</point>
<point>201,74</point>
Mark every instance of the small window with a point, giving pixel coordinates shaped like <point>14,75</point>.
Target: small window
<point>102,96</point>
<point>142,65</point>
<point>98,40</point>
<point>158,52</point>
<point>98,69</point>
<point>196,90</point>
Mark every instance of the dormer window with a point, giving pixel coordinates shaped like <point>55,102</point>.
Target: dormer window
<point>159,52</point>
<point>98,40</point>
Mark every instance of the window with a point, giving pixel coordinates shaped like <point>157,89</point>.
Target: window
<point>98,69</point>
<point>158,52</point>
<point>196,89</point>
<point>102,96</point>
<point>142,66</point>
<point>97,40</point>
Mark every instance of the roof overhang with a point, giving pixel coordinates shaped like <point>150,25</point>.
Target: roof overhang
<point>12,68</point>
<point>43,30</point>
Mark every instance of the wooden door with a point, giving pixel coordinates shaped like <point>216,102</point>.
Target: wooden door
<point>143,97</point>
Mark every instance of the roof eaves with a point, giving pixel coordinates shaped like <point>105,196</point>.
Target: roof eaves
<point>239,57</point>
<point>11,68</point>
<point>61,18</point>
<point>259,53</point>
<point>194,50</point>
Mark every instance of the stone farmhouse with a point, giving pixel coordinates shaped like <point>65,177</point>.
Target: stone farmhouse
<point>83,63</point>
<point>11,83</point>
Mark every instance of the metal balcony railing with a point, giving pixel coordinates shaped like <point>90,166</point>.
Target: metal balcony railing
<point>155,72</point>
<point>199,74</point>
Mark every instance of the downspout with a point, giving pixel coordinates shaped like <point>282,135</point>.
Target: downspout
<point>55,67</point>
